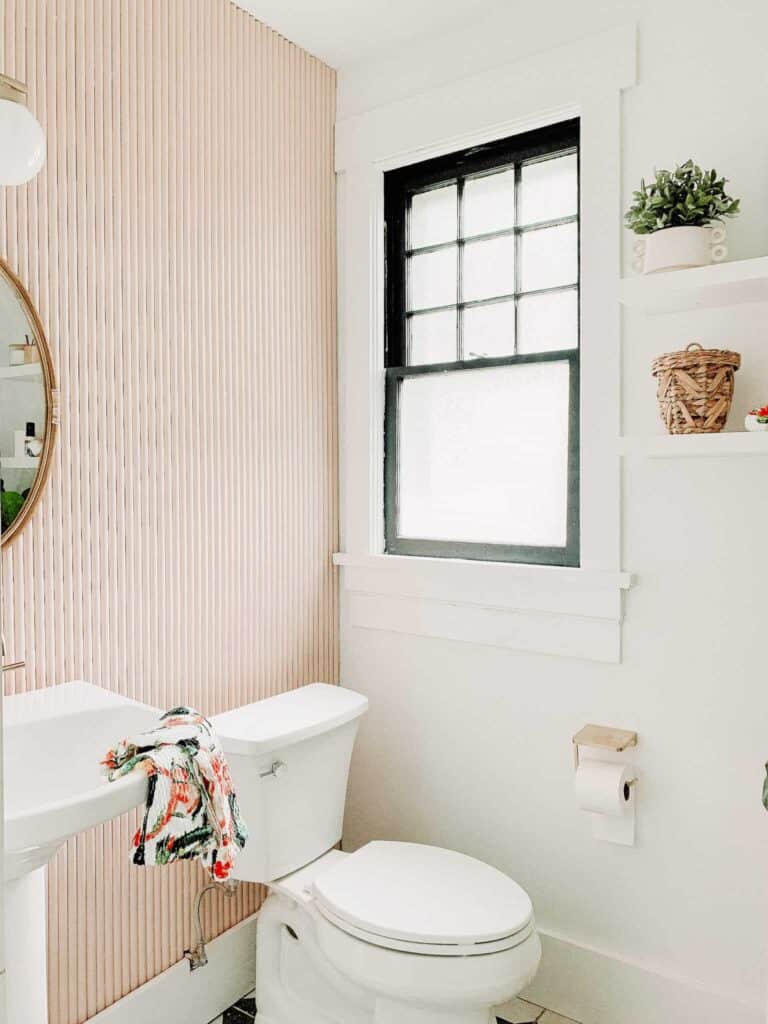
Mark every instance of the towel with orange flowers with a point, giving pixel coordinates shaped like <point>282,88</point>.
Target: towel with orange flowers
<point>191,808</point>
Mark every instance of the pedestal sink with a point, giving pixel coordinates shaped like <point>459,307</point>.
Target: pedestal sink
<point>53,741</point>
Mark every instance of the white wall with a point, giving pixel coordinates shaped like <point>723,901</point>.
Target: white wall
<point>469,745</point>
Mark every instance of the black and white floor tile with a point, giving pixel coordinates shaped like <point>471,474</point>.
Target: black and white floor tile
<point>519,1011</point>
<point>243,1012</point>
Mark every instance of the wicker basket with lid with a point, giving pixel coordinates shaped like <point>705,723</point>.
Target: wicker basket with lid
<point>694,388</point>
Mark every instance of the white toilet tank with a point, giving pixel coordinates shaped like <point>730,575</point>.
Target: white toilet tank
<point>289,757</point>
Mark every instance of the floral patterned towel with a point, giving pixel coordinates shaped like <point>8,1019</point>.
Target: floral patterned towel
<point>191,807</point>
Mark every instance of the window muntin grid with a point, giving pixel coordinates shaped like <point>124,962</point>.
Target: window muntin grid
<point>460,281</point>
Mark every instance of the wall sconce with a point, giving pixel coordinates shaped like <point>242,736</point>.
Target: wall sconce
<point>22,140</point>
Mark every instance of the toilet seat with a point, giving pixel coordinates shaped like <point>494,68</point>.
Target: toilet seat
<point>428,948</point>
<point>423,899</point>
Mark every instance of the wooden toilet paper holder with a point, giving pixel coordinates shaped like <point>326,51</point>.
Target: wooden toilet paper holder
<point>603,737</point>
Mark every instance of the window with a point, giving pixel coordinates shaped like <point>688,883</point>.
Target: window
<point>482,352</point>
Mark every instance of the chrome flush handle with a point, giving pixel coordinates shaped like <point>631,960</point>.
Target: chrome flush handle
<point>276,769</point>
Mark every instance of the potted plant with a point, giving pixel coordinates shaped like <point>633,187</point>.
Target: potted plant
<point>757,419</point>
<point>10,506</point>
<point>679,218</point>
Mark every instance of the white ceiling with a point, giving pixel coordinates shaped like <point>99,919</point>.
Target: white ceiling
<point>345,32</point>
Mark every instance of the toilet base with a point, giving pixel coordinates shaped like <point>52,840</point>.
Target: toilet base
<point>296,981</point>
<point>394,1013</point>
<point>391,1011</point>
<point>427,1017</point>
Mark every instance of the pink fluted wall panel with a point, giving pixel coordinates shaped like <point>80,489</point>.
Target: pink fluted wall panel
<point>179,247</point>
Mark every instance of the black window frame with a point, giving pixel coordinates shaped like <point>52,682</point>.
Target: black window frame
<point>399,187</point>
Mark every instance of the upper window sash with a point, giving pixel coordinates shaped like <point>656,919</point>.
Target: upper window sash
<point>400,187</point>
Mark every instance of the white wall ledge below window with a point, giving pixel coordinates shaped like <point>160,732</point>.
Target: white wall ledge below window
<point>544,609</point>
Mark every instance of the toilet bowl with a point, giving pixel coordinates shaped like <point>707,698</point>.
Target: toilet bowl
<point>394,932</point>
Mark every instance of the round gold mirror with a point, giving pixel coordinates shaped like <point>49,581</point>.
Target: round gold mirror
<point>27,405</point>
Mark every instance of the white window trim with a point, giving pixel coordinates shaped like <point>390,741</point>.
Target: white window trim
<point>584,80</point>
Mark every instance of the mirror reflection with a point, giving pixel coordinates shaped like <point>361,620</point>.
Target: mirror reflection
<point>24,405</point>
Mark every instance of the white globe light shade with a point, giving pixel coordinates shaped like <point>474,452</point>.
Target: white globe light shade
<point>22,144</point>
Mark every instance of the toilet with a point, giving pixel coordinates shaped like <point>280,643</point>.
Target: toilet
<point>394,933</point>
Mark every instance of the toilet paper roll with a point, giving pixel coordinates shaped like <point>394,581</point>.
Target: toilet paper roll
<point>603,787</point>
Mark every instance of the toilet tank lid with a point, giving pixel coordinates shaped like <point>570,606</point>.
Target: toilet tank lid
<point>287,718</point>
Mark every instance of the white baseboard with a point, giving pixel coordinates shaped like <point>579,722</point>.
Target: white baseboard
<point>595,988</point>
<point>181,996</point>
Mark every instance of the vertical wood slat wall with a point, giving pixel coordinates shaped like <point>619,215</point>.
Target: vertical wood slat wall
<point>179,245</point>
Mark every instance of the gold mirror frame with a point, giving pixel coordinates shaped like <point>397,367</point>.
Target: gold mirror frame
<point>51,406</point>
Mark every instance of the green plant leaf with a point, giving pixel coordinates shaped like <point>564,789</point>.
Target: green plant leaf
<point>686,196</point>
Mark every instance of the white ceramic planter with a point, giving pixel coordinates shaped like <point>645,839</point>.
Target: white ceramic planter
<point>677,248</point>
<point>752,423</point>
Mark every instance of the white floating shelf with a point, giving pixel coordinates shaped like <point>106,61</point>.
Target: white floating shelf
<point>25,463</point>
<point>695,446</point>
<point>26,370</point>
<point>721,284</point>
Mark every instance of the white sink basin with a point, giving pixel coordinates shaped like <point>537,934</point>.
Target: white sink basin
<point>53,742</point>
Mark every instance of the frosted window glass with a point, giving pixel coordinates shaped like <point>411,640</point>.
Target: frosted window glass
<point>549,189</point>
<point>548,322</point>
<point>432,279</point>
<point>549,257</point>
<point>484,455</point>
<point>489,268</point>
<point>488,203</point>
<point>434,217</point>
<point>489,331</point>
<point>433,338</point>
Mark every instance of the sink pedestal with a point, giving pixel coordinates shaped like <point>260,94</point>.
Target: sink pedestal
<point>26,988</point>
<point>47,800</point>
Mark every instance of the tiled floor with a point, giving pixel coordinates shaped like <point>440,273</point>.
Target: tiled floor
<point>517,1012</point>
<point>521,1012</point>
<point>243,1012</point>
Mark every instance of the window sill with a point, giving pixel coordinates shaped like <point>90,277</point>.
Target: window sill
<point>544,609</point>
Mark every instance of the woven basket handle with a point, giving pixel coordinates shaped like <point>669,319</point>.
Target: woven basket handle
<point>694,344</point>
